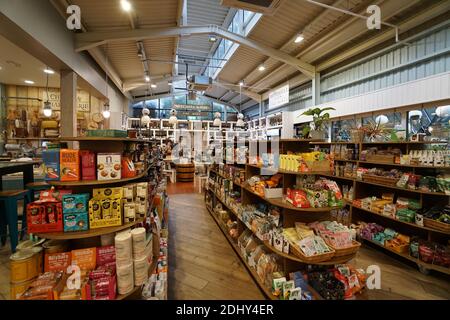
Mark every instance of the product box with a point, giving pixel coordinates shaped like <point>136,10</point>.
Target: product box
<point>129,192</point>
<point>51,164</point>
<point>75,203</point>
<point>88,167</point>
<point>57,261</point>
<point>129,212</point>
<point>53,195</point>
<point>106,255</point>
<point>128,169</point>
<point>44,216</point>
<point>76,222</point>
<point>141,209</point>
<point>111,214</point>
<point>95,209</point>
<point>70,164</point>
<point>142,191</point>
<point>108,193</point>
<point>109,166</point>
<point>85,258</point>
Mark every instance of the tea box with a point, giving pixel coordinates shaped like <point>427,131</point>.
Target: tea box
<point>88,171</point>
<point>70,164</point>
<point>51,164</point>
<point>109,166</point>
<point>76,222</point>
<point>108,193</point>
<point>75,203</point>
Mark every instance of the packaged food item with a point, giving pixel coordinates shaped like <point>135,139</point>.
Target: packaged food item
<point>85,258</point>
<point>70,165</point>
<point>297,198</point>
<point>128,170</point>
<point>76,222</point>
<point>106,256</point>
<point>142,191</point>
<point>95,209</point>
<point>111,213</point>
<point>44,216</point>
<point>108,193</point>
<point>57,261</point>
<point>88,167</point>
<point>129,192</point>
<point>109,166</point>
<point>75,203</point>
<point>129,212</point>
<point>51,164</point>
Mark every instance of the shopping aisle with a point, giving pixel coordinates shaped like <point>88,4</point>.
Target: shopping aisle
<point>202,265</point>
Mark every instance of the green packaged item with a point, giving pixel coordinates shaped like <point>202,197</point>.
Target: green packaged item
<point>110,133</point>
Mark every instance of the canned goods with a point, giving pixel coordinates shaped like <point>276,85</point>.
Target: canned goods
<point>23,266</point>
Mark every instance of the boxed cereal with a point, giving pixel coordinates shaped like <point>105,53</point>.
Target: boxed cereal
<point>75,203</point>
<point>51,164</point>
<point>70,164</point>
<point>108,193</point>
<point>109,166</point>
<point>76,222</point>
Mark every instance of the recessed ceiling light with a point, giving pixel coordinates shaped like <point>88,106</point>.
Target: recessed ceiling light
<point>212,38</point>
<point>153,85</point>
<point>262,68</point>
<point>126,5</point>
<point>49,71</point>
<point>29,82</point>
<point>299,38</point>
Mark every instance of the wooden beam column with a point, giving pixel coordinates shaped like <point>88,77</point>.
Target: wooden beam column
<point>68,85</point>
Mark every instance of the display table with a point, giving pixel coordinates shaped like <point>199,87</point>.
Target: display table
<point>15,167</point>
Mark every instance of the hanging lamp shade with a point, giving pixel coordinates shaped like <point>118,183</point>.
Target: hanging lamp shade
<point>47,109</point>
<point>173,117</point>
<point>145,119</point>
<point>106,113</point>
<point>240,121</point>
<point>217,122</point>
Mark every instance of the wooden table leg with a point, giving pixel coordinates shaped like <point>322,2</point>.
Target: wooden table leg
<point>1,182</point>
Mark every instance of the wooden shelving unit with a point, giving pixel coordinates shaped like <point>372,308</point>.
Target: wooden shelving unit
<point>366,188</point>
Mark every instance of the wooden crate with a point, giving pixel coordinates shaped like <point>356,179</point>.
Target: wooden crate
<point>313,259</point>
<point>380,180</point>
<point>340,252</point>
<point>382,158</point>
<point>433,224</point>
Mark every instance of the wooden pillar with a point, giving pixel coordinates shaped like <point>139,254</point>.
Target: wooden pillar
<point>68,98</point>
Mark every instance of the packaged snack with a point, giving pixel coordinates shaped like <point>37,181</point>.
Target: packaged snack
<point>57,261</point>
<point>95,209</point>
<point>75,203</point>
<point>108,193</point>
<point>88,167</point>
<point>297,198</point>
<point>51,164</point>
<point>76,222</point>
<point>106,255</point>
<point>109,166</point>
<point>128,170</point>
<point>85,258</point>
<point>70,165</point>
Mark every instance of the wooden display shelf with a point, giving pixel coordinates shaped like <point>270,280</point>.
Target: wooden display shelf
<point>283,204</point>
<point>337,142</point>
<point>415,260</point>
<point>97,182</point>
<point>333,261</point>
<point>34,139</point>
<point>405,142</point>
<point>87,234</point>
<point>345,160</point>
<point>402,165</point>
<point>100,139</point>
<point>399,221</point>
<point>253,273</point>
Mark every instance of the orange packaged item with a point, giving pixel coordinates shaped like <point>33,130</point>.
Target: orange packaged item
<point>70,165</point>
<point>57,261</point>
<point>85,258</point>
<point>128,169</point>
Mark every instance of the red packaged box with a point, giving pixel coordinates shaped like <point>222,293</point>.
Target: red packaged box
<point>57,261</point>
<point>44,216</point>
<point>106,255</point>
<point>88,167</point>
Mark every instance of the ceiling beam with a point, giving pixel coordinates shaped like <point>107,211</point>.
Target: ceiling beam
<point>134,83</point>
<point>236,89</point>
<point>88,40</point>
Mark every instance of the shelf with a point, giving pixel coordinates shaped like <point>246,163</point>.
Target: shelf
<point>403,165</point>
<point>399,221</point>
<point>100,139</point>
<point>415,260</point>
<point>34,139</point>
<point>406,142</point>
<point>87,234</point>
<point>97,182</point>
<point>345,160</point>
<point>331,143</point>
<point>333,261</point>
<point>283,204</point>
<point>253,273</point>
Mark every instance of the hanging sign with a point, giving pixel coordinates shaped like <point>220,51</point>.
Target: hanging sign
<point>279,97</point>
<point>192,107</point>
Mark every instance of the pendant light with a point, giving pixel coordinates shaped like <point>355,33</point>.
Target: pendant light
<point>106,112</point>
<point>173,117</point>
<point>217,122</point>
<point>240,121</point>
<point>145,119</point>
<point>47,106</point>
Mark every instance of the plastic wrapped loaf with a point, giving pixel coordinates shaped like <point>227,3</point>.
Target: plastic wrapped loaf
<point>125,278</point>
<point>139,238</point>
<point>123,244</point>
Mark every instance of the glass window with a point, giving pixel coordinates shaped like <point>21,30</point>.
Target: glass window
<point>230,27</point>
<point>434,122</point>
<point>181,99</point>
<point>248,15</point>
<point>221,51</point>
<point>152,104</point>
<point>138,105</point>
<point>165,103</point>
<point>341,129</point>
<point>227,45</point>
<point>237,22</point>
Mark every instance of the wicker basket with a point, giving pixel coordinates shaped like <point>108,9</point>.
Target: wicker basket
<point>340,252</point>
<point>357,135</point>
<point>433,224</point>
<point>380,180</point>
<point>382,158</point>
<point>295,250</point>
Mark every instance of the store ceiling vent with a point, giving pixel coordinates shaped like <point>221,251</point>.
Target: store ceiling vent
<point>267,7</point>
<point>199,83</point>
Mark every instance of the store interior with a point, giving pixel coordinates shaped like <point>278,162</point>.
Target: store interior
<point>224,150</point>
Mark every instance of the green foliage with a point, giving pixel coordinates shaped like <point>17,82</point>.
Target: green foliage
<point>319,118</point>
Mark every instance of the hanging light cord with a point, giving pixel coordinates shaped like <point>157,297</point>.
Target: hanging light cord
<point>106,71</point>
<point>47,87</point>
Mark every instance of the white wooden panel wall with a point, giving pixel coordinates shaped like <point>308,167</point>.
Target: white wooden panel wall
<point>424,90</point>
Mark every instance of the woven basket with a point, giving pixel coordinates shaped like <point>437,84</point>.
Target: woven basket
<point>313,259</point>
<point>381,158</point>
<point>433,224</point>
<point>357,135</point>
<point>340,252</point>
<point>380,180</point>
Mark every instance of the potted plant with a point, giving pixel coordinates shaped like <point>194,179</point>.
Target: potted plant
<point>316,130</point>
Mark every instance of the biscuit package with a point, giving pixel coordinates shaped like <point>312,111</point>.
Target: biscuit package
<point>109,166</point>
